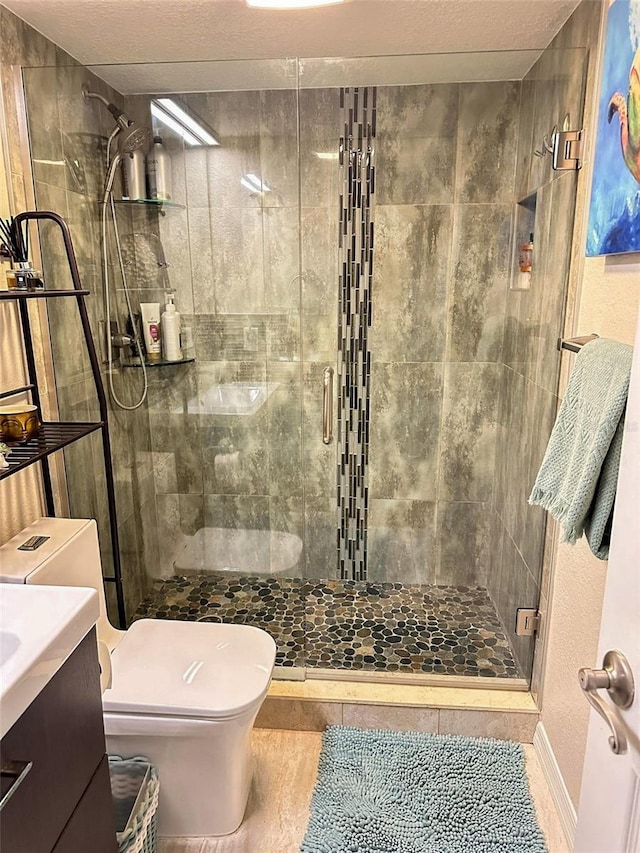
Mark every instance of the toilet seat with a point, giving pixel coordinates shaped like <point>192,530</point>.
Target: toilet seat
<point>179,670</point>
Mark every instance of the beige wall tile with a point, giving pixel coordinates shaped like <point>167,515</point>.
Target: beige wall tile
<point>506,726</point>
<point>393,717</point>
<point>296,715</point>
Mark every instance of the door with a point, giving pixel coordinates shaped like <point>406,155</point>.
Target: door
<point>609,816</point>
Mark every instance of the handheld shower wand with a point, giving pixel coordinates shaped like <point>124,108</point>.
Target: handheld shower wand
<point>131,136</point>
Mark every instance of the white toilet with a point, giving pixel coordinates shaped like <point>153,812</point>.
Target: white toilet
<point>184,694</point>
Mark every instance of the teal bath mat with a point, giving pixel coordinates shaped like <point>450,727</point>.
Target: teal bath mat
<point>392,792</point>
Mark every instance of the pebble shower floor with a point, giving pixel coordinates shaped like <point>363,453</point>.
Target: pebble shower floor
<point>352,625</point>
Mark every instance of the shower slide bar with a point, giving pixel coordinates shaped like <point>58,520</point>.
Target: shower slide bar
<point>575,344</point>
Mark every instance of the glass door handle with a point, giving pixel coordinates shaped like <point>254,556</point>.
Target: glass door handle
<point>616,678</point>
<point>327,405</point>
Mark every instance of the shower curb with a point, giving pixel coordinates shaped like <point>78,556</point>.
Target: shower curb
<point>312,706</point>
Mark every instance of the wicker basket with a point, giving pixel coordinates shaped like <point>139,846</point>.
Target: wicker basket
<point>134,787</point>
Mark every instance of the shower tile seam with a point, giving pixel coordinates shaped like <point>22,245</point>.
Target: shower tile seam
<point>508,204</point>
<point>530,381</point>
<point>450,272</point>
<point>457,171</point>
<point>515,545</point>
<point>440,362</point>
<point>212,243</point>
<point>514,165</point>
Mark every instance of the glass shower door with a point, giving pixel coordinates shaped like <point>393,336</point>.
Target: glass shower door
<point>437,447</point>
<point>246,518</point>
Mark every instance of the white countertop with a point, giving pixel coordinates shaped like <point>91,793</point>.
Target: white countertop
<point>40,626</point>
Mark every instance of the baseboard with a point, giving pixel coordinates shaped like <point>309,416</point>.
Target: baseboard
<point>553,776</point>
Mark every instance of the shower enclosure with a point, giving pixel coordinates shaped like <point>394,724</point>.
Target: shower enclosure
<point>345,457</point>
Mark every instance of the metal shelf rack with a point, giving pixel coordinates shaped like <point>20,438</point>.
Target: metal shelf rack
<point>54,436</point>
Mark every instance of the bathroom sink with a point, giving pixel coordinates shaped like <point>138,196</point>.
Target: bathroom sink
<point>230,398</point>
<point>41,627</point>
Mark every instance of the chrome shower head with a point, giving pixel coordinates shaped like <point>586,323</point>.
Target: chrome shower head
<point>132,136</point>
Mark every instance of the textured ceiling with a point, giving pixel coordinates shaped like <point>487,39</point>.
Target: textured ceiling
<point>129,31</point>
<point>238,74</point>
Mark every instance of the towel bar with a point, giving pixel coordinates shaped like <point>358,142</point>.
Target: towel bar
<point>575,344</point>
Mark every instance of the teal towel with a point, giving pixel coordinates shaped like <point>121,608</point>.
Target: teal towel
<point>579,473</point>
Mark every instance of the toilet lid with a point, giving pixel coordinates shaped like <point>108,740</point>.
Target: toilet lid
<point>202,669</point>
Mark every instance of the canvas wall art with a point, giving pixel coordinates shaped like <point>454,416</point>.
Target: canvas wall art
<point>614,213</point>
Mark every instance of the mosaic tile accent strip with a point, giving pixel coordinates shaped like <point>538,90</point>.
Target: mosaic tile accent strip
<point>352,625</point>
<point>357,166</point>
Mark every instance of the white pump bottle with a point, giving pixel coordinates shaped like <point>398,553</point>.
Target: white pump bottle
<point>170,329</point>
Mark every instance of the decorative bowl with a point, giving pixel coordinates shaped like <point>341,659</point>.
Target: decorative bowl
<point>18,421</point>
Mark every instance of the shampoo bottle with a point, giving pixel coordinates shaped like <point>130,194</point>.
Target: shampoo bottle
<point>133,173</point>
<point>151,327</point>
<point>159,171</point>
<point>170,326</point>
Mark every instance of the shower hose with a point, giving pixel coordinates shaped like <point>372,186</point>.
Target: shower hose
<point>108,203</point>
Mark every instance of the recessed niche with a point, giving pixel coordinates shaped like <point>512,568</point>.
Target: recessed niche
<point>523,256</point>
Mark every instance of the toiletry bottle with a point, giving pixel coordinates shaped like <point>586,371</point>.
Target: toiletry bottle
<point>133,175</point>
<point>151,327</point>
<point>170,327</point>
<point>526,255</point>
<point>159,171</point>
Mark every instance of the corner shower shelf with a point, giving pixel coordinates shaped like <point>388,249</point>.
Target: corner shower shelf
<point>54,436</point>
<point>41,294</point>
<point>160,204</point>
<point>161,363</point>
<point>49,438</point>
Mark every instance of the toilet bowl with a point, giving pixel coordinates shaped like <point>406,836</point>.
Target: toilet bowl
<point>183,694</point>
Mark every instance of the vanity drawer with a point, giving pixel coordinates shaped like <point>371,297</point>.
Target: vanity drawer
<point>62,735</point>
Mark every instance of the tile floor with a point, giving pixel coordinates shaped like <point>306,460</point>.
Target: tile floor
<point>278,809</point>
<point>353,625</point>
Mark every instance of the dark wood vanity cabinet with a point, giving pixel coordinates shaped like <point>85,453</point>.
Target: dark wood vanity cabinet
<point>63,803</point>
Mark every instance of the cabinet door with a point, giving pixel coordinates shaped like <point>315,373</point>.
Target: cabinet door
<point>62,734</point>
<point>92,825</point>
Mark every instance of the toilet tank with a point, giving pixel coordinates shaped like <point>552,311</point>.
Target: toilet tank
<point>68,556</point>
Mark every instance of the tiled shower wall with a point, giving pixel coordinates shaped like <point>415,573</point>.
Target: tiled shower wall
<point>446,168</point>
<point>528,369</point>
<point>64,130</point>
